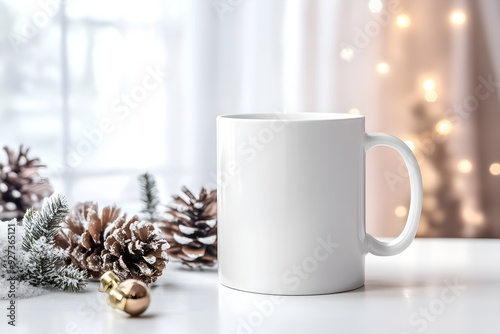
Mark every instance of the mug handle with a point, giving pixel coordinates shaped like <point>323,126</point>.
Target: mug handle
<point>404,240</point>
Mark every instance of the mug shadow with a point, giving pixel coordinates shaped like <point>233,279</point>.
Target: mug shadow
<point>380,285</point>
<point>375,285</point>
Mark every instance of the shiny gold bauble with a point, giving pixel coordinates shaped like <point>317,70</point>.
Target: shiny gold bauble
<point>131,296</point>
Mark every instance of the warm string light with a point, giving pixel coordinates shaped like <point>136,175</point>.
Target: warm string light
<point>410,144</point>
<point>431,96</point>
<point>400,211</point>
<point>495,168</point>
<point>346,54</point>
<point>429,84</point>
<point>457,18</point>
<point>403,21</point>
<point>464,166</point>
<point>375,6</point>
<point>444,127</point>
<point>472,217</point>
<point>382,68</point>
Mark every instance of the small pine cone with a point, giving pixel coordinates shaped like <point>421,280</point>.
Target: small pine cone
<point>83,234</point>
<point>21,187</point>
<point>135,249</point>
<point>191,228</point>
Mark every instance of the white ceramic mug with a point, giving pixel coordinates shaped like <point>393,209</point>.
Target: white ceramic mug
<point>291,202</point>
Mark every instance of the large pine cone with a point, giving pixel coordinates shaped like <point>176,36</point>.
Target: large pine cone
<point>135,249</point>
<point>191,228</point>
<point>21,187</point>
<point>83,235</point>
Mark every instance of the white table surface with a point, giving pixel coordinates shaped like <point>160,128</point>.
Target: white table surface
<point>407,293</point>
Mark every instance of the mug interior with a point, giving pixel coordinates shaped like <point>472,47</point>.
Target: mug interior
<point>306,116</point>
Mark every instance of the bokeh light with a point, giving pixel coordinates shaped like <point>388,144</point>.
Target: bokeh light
<point>495,168</point>
<point>375,6</point>
<point>400,211</point>
<point>464,166</point>
<point>346,54</point>
<point>457,18</point>
<point>444,127</point>
<point>429,84</point>
<point>403,21</point>
<point>472,217</point>
<point>382,68</point>
<point>431,96</point>
<point>410,144</point>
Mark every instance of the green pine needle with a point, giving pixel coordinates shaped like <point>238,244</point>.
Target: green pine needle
<point>46,265</point>
<point>44,222</point>
<point>70,279</point>
<point>43,261</point>
<point>149,196</point>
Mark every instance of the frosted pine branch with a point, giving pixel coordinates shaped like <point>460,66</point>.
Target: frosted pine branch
<point>44,222</point>
<point>43,261</point>
<point>46,266</point>
<point>149,196</point>
<point>70,279</point>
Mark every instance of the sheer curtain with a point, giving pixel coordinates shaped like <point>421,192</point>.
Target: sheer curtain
<point>104,91</point>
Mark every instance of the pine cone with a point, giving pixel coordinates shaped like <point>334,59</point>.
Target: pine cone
<point>83,235</point>
<point>135,249</point>
<point>191,228</point>
<point>21,187</point>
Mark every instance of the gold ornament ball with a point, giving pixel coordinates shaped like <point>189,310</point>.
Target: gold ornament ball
<point>131,296</point>
<point>136,295</point>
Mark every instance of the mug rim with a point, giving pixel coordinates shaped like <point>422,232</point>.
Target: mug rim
<point>293,117</point>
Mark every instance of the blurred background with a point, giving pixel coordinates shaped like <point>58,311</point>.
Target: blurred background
<point>102,91</point>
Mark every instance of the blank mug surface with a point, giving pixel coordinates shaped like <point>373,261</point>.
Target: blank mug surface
<point>291,202</point>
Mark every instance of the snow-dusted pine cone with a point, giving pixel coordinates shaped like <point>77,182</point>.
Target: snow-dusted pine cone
<point>135,249</point>
<point>83,235</point>
<point>191,228</point>
<point>21,187</point>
